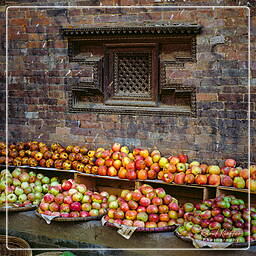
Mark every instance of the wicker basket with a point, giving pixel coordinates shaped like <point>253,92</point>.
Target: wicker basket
<point>14,242</point>
<point>50,254</point>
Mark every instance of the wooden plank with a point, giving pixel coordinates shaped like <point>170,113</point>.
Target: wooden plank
<point>87,181</point>
<point>110,190</point>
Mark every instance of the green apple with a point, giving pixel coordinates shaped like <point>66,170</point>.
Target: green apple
<point>38,195</point>
<point>54,179</point>
<point>32,173</point>
<point>18,191</point>
<point>45,180</point>
<point>22,197</point>
<point>45,188</point>
<point>39,176</point>
<point>38,182</point>
<point>38,188</point>
<point>11,198</point>
<point>16,172</point>
<point>24,185</point>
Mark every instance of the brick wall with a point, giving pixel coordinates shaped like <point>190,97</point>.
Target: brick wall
<point>39,67</point>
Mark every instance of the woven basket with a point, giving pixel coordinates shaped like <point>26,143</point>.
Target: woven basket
<point>19,209</point>
<point>233,245</point>
<point>50,254</point>
<point>69,219</point>
<point>14,242</point>
<point>161,229</point>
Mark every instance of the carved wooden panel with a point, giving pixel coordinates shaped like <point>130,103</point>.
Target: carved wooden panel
<point>132,69</point>
<point>131,74</point>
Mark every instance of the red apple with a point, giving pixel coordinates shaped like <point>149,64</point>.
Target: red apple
<point>179,178</point>
<point>214,179</point>
<point>230,163</point>
<point>226,181</point>
<point>152,209</point>
<point>144,201</point>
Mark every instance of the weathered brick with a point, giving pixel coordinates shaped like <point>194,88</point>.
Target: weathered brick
<point>207,97</point>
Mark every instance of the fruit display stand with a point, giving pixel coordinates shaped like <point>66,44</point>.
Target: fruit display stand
<point>114,185</point>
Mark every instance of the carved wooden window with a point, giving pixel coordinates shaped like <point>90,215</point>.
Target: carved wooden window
<point>134,70</point>
<point>131,74</point>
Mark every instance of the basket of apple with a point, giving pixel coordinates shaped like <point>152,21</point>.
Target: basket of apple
<point>146,208</point>
<point>21,190</point>
<point>221,222</point>
<point>72,202</point>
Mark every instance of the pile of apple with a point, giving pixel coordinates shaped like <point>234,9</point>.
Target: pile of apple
<point>144,207</point>
<point>223,219</point>
<point>202,174</point>
<point>23,188</point>
<point>74,200</point>
<point>136,164</point>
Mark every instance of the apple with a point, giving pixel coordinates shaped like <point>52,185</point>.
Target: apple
<point>81,188</point>
<point>162,162</point>
<point>173,214</point>
<point>214,225</point>
<point>84,214</point>
<point>151,225</point>
<point>59,198</point>
<point>196,229</point>
<point>142,174</point>
<point>112,171</point>
<point>133,205</point>
<point>188,226</point>
<point>196,170</point>
<point>201,179</point>
<point>152,209</point>
<point>45,180</point>
<point>160,192</point>
<point>214,179</point>
<point>21,198</point>
<point>24,177</point>
<point>113,205</point>
<point>96,205</point>
<point>124,207</point>
<point>44,206</point>
<point>174,206</point>
<point>179,178</point>
<point>143,216</point>
<point>156,158</point>
<point>16,173</point>
<point>167,199</point>
<point>11,198</point>
<point>188,207</point>
<point>31,196</point>
<point>163,209</point>
<point>233,173</point>
<point>18,191</point>
<point>239,182</point>
<point>74,214</point>
<point>45,188</point>
<point>131,215</point>
<point>181,167</point>
<point>128,196</point>
<point>189,178</point>
<point>136,195</point>
<point>148,161</point>
<point>144,201</point>
<point>244,173</point>
<point>157,201</point>
<point>75,206</point>
<point>226,181</point>
<point>16,182</point>
<point>230,163</point>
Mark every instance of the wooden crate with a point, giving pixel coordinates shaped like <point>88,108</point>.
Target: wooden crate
<point>113,185</point>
